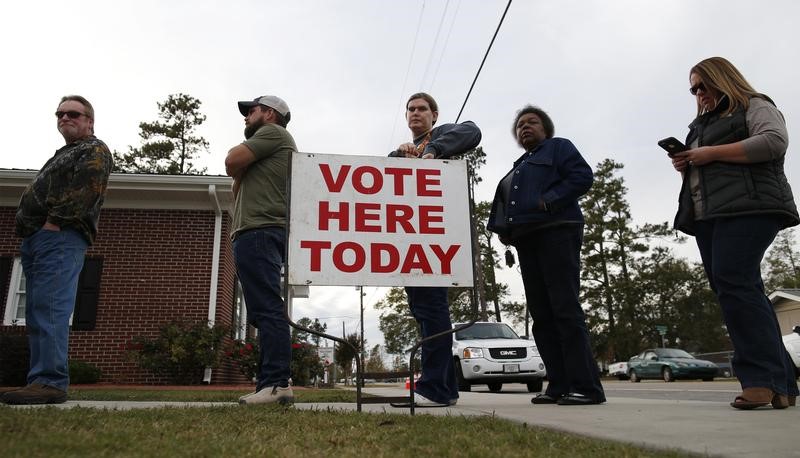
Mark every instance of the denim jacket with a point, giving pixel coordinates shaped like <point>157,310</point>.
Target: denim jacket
<point>543,187</point>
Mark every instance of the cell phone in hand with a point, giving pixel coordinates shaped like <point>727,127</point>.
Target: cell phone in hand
<point>672,145</point>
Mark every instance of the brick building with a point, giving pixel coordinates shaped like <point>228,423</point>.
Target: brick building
<point>162,253</point>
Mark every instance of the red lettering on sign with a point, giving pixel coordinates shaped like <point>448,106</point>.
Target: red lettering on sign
<point>399,214</point>
<point>416,259</point>
<point>430,214</point>
<point>316,251</point>
<point>326,214</point>
<point>358,262</point>
<point>398,174</point>
<point>376,251</point>
<point>445,257</point>
<point>334,185</point>
<point>358,180</point>
<point>363,216</point>
<point>427,178</point>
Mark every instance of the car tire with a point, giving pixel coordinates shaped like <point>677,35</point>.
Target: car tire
<point>622,377</point>
<point>463,384</point>
<point>726,373</point>
<point>666,374</point>
<point>633,377</point>
<point>495,387</point>
<point>535,387</point>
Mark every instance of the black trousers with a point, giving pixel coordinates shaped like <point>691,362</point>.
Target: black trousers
<point>550,263</point>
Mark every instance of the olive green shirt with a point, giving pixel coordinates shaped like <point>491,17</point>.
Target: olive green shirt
<point>262,200</point>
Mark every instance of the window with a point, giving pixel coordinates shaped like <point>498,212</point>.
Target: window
<point>239,313</point>
<point>85,313</point>
<point>15,303</point>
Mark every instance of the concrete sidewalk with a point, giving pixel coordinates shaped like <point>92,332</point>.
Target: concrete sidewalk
<point>712,428</point>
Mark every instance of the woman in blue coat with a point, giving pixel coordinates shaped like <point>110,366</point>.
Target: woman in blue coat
<point>536,210</point>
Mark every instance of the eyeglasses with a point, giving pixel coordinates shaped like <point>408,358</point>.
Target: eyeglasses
<point>698,87</point>
<point>70,114</point>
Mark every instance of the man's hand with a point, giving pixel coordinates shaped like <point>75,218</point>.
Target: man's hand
<point>408,150</point>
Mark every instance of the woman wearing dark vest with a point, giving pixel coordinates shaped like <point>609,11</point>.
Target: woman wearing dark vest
<point>734,200</point>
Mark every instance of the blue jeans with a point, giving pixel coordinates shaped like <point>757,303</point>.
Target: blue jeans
<point>429,307</point>
<point>549,260</point>
<point>259,255</point>
<point>52,262</point>
<point>732,249</point>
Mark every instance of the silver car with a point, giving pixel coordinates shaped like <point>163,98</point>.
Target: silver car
<point>493,354</point>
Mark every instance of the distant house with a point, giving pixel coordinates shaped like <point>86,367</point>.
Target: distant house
<point>162,253</point>
<point>787,308</point>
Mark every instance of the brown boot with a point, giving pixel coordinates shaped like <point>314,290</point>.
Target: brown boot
<point>752,398</point>
<point>35,393</point>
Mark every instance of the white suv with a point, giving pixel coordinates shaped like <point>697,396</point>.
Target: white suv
<point>493,354</point>
<point>792,343</point>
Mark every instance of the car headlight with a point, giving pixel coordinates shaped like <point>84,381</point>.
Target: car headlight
<point>472,352</point>
<point>533,351</point>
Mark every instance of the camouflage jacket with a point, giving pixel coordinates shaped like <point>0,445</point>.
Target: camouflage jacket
<point>68,191</point>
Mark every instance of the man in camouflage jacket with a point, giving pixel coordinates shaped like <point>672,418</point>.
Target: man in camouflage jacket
<point>57,219</point>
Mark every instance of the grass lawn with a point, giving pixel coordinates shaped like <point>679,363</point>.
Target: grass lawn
<point>244,431</point>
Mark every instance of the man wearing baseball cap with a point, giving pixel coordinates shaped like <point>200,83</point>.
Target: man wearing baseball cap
<point>259,167</point>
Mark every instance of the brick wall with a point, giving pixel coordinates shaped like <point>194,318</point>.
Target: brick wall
<point>156,268</point>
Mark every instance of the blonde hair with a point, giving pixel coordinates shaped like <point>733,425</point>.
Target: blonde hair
<point>719,74</point>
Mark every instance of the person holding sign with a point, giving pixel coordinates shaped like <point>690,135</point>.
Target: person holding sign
<point>437,387</point>
<point>536,210</point>
<point>259,167</point>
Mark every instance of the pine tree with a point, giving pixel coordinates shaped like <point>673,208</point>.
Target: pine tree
<point>169,144</point>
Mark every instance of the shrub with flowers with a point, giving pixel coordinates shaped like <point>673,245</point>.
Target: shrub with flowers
<point>245,354</point>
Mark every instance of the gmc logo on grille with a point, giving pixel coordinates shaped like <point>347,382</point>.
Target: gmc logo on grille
<point>508,353</point>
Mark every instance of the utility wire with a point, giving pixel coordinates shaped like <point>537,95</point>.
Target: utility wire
<point>444,47</point>
<point>483,61</point>
<point>433,47</point>
<point>408,70</point>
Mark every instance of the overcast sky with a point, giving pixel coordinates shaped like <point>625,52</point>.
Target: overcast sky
<point>613,75</point>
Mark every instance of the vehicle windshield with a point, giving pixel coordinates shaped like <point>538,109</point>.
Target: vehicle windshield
<point>487,331</point>
<point>672,353</point>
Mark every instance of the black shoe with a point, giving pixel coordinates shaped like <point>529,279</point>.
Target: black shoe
<point>577,399</point>
<point>545,398</point>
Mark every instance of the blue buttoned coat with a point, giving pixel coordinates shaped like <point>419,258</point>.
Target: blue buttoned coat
<point>544,187</point>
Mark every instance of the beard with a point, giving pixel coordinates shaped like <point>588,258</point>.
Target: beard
<point>250,129</point>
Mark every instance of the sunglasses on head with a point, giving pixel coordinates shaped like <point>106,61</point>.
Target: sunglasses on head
<point>70,114</point>
<point>698,87</point>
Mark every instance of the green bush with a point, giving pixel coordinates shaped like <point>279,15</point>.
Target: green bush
<point>83,372</point>
<point>181,351</point>
<point>304,367</point>
<point>245,353</point>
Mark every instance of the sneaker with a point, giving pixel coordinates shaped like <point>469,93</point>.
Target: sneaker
<point>242,398</point>
<point>422,401</point>
<point>267,395</point>
<point>35,393</point>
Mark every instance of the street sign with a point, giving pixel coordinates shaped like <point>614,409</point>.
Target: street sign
<point>661,329</point>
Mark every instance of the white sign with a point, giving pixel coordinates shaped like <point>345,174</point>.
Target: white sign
<point>378,221</point>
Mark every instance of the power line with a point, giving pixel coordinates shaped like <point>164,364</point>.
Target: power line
<point>483,61</point>
<point>433,47</point>
<point>408,70</point>
<point>444,47</point>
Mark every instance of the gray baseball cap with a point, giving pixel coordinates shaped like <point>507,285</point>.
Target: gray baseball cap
<point>276,103</point>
